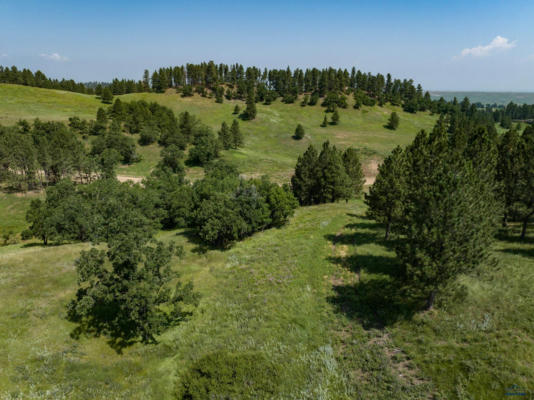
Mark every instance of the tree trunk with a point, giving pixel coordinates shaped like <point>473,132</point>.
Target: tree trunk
<point>505,220</point>
<point>388,229</point>
<point>430,300</point>
<point>524,229</point>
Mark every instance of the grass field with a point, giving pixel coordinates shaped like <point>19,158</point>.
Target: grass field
<point>269,147</point>
<point>317,296</point>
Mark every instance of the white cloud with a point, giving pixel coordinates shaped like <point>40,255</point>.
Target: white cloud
<point>54,57</point>
<point>498,44</point>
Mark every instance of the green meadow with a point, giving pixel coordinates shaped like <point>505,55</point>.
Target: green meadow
<point>318,297</point>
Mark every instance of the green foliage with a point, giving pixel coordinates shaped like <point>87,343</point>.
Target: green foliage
<point>225,137</point>
<point>250,111</point>
<point>393,122</point>
<point>324,124</point>
<point>385,197</point>
<point>353,167</point>
<point>149,134</point>
<point>114,140</point>
<point>335,118</point>
<point>206,148</point>
<point>249,375</point>
<point>299,132</point>
<point>236,135</point>
<point>325,177</point>
<point>449,210</point>
<point>125,293</point>
<point>107,96</point>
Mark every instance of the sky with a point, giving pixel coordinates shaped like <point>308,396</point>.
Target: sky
<point>444,45</point>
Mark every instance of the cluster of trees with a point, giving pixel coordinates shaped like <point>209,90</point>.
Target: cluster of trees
<point>38,79</point>
<point>443,194</point>
<point>33,155</point>
<point>328,176</point>
<point>221,208</point>
<point>125,292</point>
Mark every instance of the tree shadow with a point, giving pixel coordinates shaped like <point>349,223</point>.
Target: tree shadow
<point>376,303</point>
<point>513,236</point>
<point>118,340</point>
<point>520,252</point>
<point>201,247</point>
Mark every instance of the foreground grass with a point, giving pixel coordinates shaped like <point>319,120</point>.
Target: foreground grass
<point>318,297</point>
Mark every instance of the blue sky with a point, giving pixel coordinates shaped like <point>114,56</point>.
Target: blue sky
<point>445,45</point>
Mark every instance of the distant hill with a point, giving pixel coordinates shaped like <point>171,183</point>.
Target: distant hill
<point>487,97</point>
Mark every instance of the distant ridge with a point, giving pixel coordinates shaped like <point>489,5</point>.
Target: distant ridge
<point>500,98</point>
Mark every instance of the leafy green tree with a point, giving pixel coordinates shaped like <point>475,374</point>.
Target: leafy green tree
<point>384,200</point>
<point>393,122</point>
<point>299,132</point>
<point>149,134</point>
<point>125,292</point>
<point>225,136</point>
<point>172,158</point>
<point>353,168</point>
<point>237,136</point>
<point>107,96</point>
<point>206,149</point>
<point>335,117</point>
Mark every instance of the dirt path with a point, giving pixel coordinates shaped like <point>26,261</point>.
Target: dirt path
<point>370,171</point>
<point>126,178</point>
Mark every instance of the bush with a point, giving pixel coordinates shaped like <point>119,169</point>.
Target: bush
<point>224,375</point>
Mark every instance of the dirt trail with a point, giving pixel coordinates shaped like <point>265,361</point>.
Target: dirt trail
<point>126,178</point>
<point>370,171</point>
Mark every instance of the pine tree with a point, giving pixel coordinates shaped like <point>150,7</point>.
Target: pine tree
<point>107,96</point>
<point>299,132</point>
<point>353,168</point>
<point>384,200</point>
<point>449,211</point>
<point>236,110</point>
<point>509,166</point>
<point>303,180</point>
<point>324,124</point>
<point>225,136</point>
<point>393,122</point>
<point>250,111</point>
<point>237,136</point>
<point>219,94</point>
<point>526,181</point>
<point>335,117</point>
<point>332,181</point>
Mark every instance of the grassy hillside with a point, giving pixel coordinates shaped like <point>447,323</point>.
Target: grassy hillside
<point>269,146</point>
<point>317,296</point>
<point>24,102</point>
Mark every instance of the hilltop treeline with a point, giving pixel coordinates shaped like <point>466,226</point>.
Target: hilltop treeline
<point>39,79</point>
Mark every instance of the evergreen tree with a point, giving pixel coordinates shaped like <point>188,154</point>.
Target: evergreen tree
<point>449,211</point>
<point>324,124</point>
<point>299,132</point>
<point>335,118</point>
<point>332,181</point>
<point>236,135</point>
<point>353,168</point>
<point>303,180</point>
<point>107,96</point>
<point>509,168</point>
<point>236,110</point>
<point>384,200</point>
<point>219,94</point>
<point>225,136</point>
<point>393,122</point>
<point>526,181</point>
<point>250,111</point>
